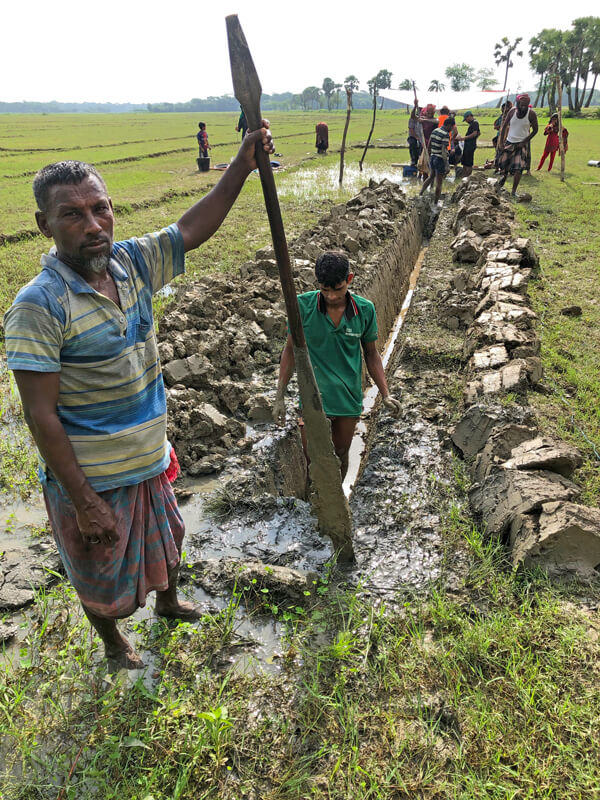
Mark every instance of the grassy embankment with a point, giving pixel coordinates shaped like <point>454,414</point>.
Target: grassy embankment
<point>490,695</point>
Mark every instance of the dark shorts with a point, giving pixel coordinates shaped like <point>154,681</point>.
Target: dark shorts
<point>437,165</point>
<point>468,156</point>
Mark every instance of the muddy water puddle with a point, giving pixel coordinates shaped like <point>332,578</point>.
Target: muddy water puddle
<point>19,521</point>
<point>323,182</point>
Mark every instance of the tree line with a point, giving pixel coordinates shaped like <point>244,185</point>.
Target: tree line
<point>573,56</point>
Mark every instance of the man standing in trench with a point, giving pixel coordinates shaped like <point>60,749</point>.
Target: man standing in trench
<point>339,327</point>
<point>80,340</point>
<point>518,129</point>
<point>439,156</point>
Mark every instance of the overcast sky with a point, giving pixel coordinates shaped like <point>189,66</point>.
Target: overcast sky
<point>133,51</point>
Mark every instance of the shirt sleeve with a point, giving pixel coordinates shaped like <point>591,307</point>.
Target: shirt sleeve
<point>34,332</point>
<point>370,331</point>
<point>159,257</point>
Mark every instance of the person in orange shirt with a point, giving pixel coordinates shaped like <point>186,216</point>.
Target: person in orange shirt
<point>444,114</point>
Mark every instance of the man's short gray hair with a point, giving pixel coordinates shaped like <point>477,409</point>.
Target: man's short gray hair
<point>61,172</point>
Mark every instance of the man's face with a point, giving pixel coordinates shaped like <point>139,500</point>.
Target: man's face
<point>523,103</point>
<point>469,119</point>
<point>79,217</point>
<point>336,296</point>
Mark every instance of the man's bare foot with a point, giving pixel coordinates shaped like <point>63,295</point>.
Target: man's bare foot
<point>181,609</point>
<point>122,654</point>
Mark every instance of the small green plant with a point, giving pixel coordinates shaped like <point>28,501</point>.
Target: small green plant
<point>218,726</point>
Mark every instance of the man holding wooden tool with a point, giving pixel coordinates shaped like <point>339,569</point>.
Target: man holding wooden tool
<point>80,340</point>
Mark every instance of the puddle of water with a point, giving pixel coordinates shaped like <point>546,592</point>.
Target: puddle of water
<point>323,182</point>
<point>285,535</point>
<point>255,647</point>
<point>357,448</point>
<point>19,520</point>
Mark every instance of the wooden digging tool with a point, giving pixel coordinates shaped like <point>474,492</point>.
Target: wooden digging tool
<point>327,498</point>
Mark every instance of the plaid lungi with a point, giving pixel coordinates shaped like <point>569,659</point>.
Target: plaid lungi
<point>113,580</point>
<point>514,157</point>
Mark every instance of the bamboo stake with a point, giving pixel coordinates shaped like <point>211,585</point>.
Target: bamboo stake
<point>561,148</point>
<point>343,146</point>
<point>328,500</point>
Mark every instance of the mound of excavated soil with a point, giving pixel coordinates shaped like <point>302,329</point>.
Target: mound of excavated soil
<point>221,340</point>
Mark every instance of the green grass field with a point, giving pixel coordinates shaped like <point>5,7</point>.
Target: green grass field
<point>491,695</point>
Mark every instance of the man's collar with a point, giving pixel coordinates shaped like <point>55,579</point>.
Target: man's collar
<point>74,280</point>
<point>351,307</point>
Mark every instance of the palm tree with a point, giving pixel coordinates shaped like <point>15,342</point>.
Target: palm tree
<point>350,85</point>
<point>540,58</point>
<point>406,85</point>
<point>502,54</point>
<point>436,86</point>
<point>381,81</point>
<point>595,59</point>
<point>384,81</point>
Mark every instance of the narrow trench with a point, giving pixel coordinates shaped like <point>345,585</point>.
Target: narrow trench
<point>358,449</point>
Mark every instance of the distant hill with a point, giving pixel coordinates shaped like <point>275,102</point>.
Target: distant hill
<point>533,94</point>
<point>287,101</point>
<point>54,107</point>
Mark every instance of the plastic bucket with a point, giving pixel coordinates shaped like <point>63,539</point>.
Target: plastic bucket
<point>409,171</point>
<point>203,163</point>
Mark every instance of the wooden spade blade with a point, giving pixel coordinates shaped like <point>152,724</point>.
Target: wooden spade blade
<point>246,84</point>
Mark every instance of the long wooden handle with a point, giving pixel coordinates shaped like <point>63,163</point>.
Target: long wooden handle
<point>248,90</point>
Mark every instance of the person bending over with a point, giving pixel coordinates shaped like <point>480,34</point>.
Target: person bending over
<point>340,328</point>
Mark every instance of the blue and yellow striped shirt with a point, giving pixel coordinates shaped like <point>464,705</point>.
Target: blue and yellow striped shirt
<point>111,396</point>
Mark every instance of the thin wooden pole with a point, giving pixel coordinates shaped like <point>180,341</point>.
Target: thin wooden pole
<point>343,147</point>
<point>561,148</point>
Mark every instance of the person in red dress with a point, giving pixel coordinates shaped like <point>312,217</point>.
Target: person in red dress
<point>551,148</point>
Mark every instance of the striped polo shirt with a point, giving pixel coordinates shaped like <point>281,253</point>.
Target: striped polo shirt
<point>336,353</point>
<point>438,143</point>
<point>111,394</point>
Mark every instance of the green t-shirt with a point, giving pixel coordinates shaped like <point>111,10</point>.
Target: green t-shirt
<point>336,353</point>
